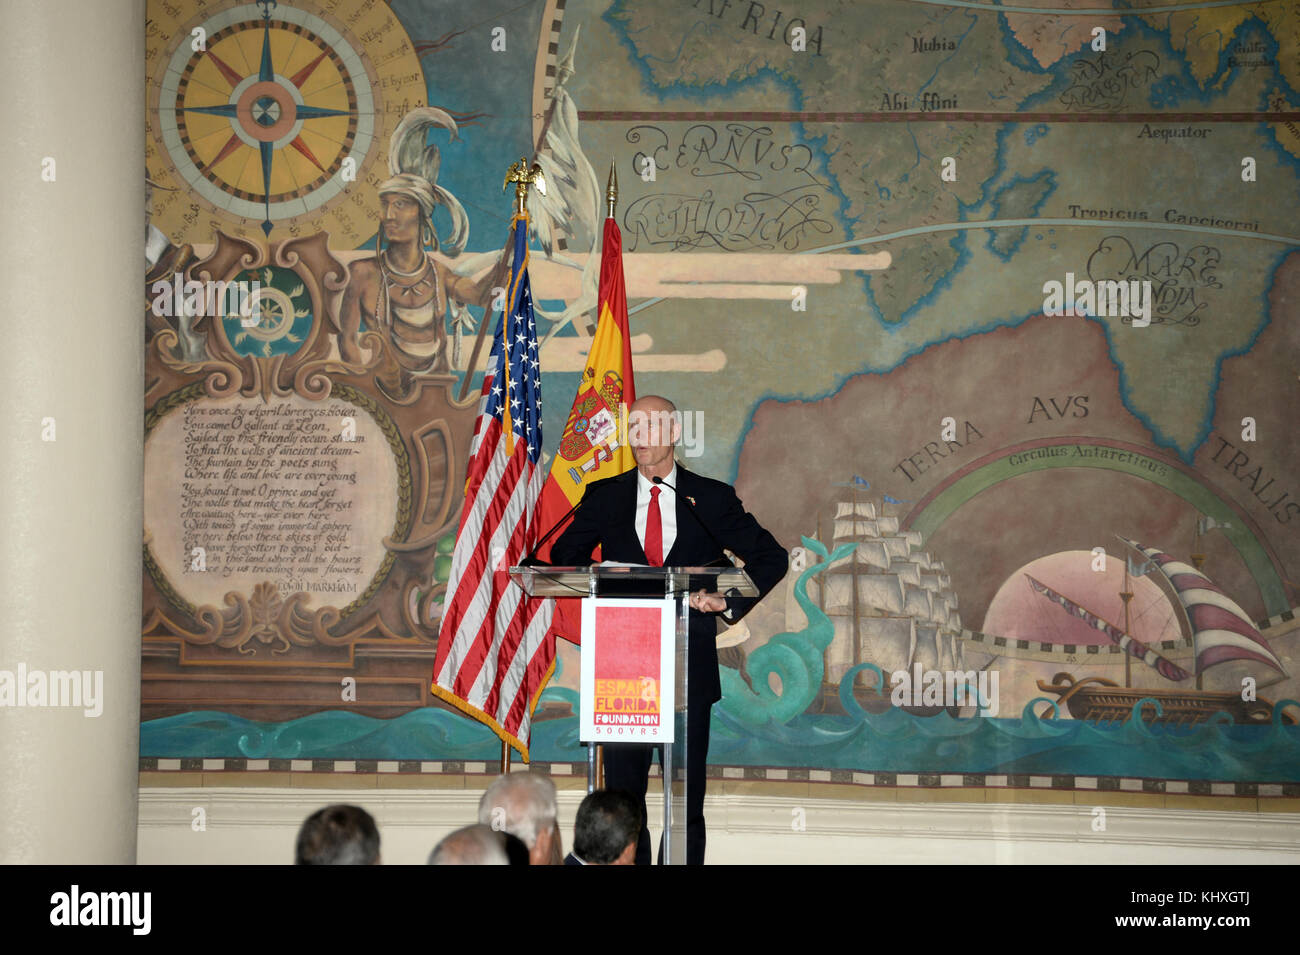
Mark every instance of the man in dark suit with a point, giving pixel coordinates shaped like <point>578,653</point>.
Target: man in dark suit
<point>686,521</point>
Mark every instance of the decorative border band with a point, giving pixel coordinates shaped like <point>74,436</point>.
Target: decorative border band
<point>1190,787</point>
<point>1070,649</point>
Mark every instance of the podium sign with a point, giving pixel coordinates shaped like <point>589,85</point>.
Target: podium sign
<point>627,679</point>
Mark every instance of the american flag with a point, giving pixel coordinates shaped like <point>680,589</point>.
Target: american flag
<point>494,655</point>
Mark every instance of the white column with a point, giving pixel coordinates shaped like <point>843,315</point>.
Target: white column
<point>71,323</point>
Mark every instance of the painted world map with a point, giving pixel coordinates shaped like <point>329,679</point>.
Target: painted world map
<point>1127,160</point>
<point>996,155</point>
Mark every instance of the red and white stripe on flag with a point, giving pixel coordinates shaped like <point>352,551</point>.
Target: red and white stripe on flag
<point>494,655</point>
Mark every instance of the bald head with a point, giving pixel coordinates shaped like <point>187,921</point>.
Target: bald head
<point>653,429</point>
<point>653,403</point>
<point>473,845</point>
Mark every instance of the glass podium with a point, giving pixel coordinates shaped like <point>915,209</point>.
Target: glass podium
<point>671,584</point>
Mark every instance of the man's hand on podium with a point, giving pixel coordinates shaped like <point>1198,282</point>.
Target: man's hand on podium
<point>706,602</point>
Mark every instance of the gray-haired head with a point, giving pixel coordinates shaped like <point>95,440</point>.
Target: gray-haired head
<point>472,845</point>
<point>523,804</point>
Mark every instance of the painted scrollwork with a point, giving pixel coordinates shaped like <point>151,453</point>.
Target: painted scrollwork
<point>294,357</point>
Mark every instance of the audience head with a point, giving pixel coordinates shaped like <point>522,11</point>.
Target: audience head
<point>523,804</point>
<point>338,835</point>
<point>472,845</point>
<point>607,827</point>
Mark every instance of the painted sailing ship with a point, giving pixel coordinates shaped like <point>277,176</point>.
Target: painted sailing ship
<point>892,605</point>
<point>1212,624</point>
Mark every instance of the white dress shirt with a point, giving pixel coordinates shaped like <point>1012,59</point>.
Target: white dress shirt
<point>667,515</point>
<point>667,508</point>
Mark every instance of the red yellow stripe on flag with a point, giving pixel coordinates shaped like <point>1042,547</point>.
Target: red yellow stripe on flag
<point>594,443</point>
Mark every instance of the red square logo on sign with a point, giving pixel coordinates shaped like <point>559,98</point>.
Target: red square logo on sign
<point>628,643</point>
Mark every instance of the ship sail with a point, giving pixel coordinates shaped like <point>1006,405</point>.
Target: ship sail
<point>917,603</point>
<point>1219,629</point>
<point>888,642</point>
<point>928,648</point>
<point>874,554</point>
<point>877,593</point>
<point>852,509</point>
<point>1135,648</point>
<point>908,571</point>
<point>940,610</point>
<point>956,647</point>
<point>859,527</point>
<point>891,601</point>
<point>896,547</point>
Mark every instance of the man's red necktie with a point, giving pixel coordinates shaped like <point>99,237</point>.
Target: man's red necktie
<point>654,531</point>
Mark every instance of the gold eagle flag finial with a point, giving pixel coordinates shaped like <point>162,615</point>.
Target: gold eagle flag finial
<point>523,177</point>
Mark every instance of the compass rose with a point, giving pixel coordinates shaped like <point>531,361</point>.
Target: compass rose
<point>266,110</point>
<point>269,121</point>
<point>259,122</point>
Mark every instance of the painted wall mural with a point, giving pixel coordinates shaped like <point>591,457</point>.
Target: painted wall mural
<point>991,317</point>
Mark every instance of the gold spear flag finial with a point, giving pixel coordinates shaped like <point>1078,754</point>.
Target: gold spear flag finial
<point>523,177</point>
<point>611,189</point>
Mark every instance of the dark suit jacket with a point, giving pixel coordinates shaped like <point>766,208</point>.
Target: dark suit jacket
<point>607,518</point>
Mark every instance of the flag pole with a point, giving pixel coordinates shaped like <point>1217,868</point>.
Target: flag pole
<point>596,752</point>
<point>522,176</point>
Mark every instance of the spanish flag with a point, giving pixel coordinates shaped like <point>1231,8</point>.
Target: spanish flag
<point>594,443</point>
